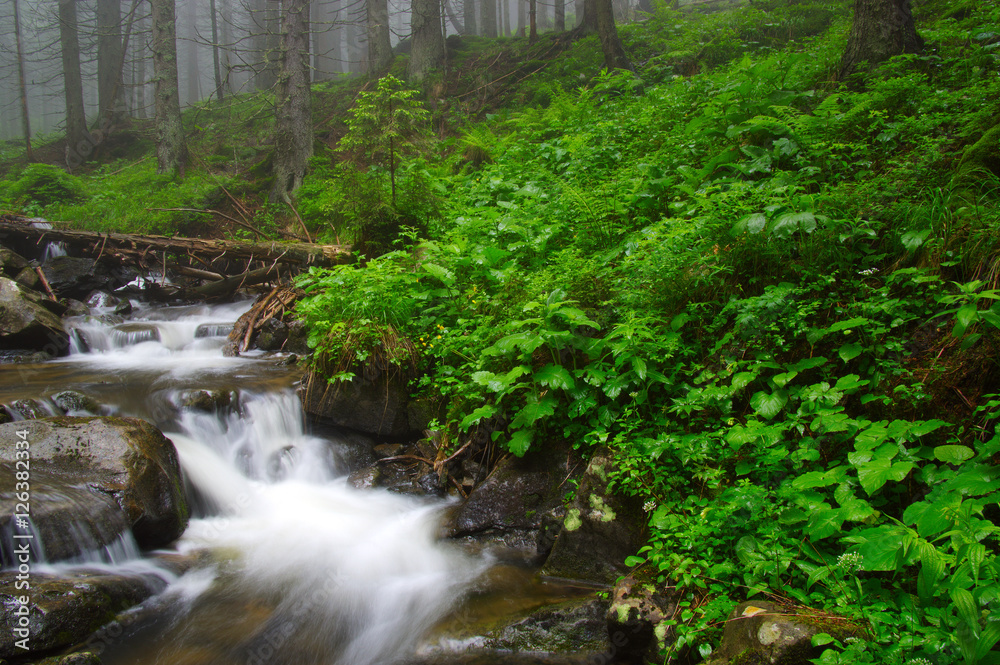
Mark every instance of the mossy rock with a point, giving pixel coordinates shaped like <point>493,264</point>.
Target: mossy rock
<point>981,156</point>
<point>760,632</point>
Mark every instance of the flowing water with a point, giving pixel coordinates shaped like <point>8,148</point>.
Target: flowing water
<point>292,565</point>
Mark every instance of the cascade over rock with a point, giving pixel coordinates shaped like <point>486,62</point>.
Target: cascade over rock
<point>26,322</point>
<point>105,474</point>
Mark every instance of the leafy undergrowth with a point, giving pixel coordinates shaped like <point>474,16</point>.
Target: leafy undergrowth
<point>772,296</point>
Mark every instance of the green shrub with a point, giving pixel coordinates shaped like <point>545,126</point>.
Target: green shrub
<point>44,185</point>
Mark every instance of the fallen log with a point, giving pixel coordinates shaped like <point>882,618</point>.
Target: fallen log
<point>137,247</point>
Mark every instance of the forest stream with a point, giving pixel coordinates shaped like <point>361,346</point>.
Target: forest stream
<point>283,561</point>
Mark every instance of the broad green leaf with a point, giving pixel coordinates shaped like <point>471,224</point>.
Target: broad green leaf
<point>966,606</point>
<point>555,376</point>
<point>781,380</point>
<point>639,365</point>
<point>526,342</point>
<point>930,519</point>
<point>768,404</point>
<point>533,410</point>
<point>806,363</point>
<point>742,380</point>
<point>987,640</point>
<point>850,351</point>
<point>633,561</point>
<point>519,443</point>
<point>967,315</point>
<point>912,240</point>
<point>876,473</point>
<point>976,556</point>
<point>931,572</point>
<point>754,223</point>
<point>824,523</point>
<point>446,276</point>
<point>485,411</point>
<point>953,454</point>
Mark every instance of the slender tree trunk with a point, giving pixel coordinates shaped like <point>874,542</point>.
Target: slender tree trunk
<point>522,17</point>
<point>427,51</point>
<point>578,11</point>
<point>171,151</point>
<point>142,52</point>
<point>78,144</point>
<point>880,30</point>
<point>110,91</point>
<point>532,21</point>
<point>25,122</point>
<point>326,58</point>
<point>559,23</point>
<point>227,45</point>
<point>505,17</point>
<point>489,14</point>
<point>261,27</point>
<point>456,22</point>
<point>354,56</point>
<point>191,53</point>
<point>469,17</point>
<point>220,94</point>
<point>293,141</point>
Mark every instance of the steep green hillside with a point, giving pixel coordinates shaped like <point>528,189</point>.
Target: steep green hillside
<point>772,295</point>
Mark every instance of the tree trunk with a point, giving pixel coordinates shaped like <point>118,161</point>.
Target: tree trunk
<point>171,151</point>
<point>489,14</point>
<point>78,143</point>
<point>469,17</point>
<point>327,56</point>
<point>427,51</point>
<point>532,21</point>
<point>262,26</point>
<point>598,17</point>
<point>25,121</point>
<point>110,91</point>
<point>522,18</point>
<point>559,24</point>
<point>293,141</point>
<point>457,23</point>
<point>505,17</point>
<point>191,56</point>
<point>881,29</point>
<point>227,45</point>
<point>220,94</point>
<point>141,53</point>
<point>578,12</point>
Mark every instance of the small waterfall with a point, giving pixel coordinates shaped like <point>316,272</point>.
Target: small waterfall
<point>52,249</point>
<point>290,564</point>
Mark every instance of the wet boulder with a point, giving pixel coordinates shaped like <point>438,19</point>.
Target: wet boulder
<point>600,529</point>
<point>63,611</point>
<point>79,464</point>
<point>376,407</point>
<point>271,335</point>
<point>26,323</point>
<point>75,403</point>
<point>517,506</point>
<point>75,277</point>
<point>11,263</point>
<point>759,631</point>
<point>636,619</point>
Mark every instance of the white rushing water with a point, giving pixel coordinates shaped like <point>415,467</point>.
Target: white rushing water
<point>311,569</point>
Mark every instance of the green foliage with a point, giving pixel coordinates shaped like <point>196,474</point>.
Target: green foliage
<point>42,185</point>
<point>386,125</point>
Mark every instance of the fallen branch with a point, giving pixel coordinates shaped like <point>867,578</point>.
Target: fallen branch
<point>213,212</point>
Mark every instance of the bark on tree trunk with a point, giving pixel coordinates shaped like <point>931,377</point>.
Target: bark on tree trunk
<point>881,29</point>
<point>522,18</point>
<point>559,24</point>
<point>469,17</point>
<point>110,91</point>
<point>532,21</point>
<point>293,141</point>
<point>171,151</point>
<point>489,14</point>
<point>78,144</point>
<point>142,51</point>
<point>191,56</point>
<point>456,22</point>
<point>598,16</point>
<point>379,48</point>
<point>25,121</point>
<point>220,93</point>
<point>505,17</point>
<point>427,51</point>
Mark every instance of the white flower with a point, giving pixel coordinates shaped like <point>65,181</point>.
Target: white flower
<point>850,562</point>
<point>649,506</point>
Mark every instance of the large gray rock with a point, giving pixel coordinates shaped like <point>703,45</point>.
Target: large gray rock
<point>26,323</point>
<point>11,263</point>
<point>600,530</point>
<point>374,407</point>
<point>637,617</point>
<point>518,506</point>
<point>78,277</point>
<point>759,631</point>
<point>63,611</point>
<point>92,478</point>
